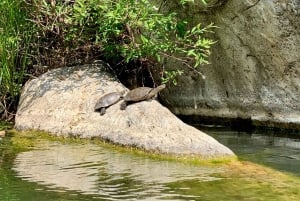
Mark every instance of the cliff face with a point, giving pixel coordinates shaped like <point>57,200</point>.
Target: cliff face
<point>255,65</point>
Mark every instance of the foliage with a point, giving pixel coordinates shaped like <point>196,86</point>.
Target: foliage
<point>14,41</point>
<point>137,30</point>
<point>171,76</point>
<point>57,33</point>
<point>128,31</point>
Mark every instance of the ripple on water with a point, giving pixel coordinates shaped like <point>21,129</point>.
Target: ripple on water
<point>90,169</point>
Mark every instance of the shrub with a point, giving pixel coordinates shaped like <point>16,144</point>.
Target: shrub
<point>55,33</point>
<point>137,31</point>
<point>124,31</point>
<point>14,43</point>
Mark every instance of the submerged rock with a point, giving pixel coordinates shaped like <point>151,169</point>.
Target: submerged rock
<point>62,102</point>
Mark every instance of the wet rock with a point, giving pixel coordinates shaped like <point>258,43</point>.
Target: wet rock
<point>62,102</point>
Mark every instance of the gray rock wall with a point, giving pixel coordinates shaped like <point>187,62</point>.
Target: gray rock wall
<point>255,66</point>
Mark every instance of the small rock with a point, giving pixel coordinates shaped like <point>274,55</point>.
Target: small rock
<point>2,134</point>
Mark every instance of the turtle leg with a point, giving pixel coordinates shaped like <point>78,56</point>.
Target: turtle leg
<point>102,111</point>
<point>123,105</point>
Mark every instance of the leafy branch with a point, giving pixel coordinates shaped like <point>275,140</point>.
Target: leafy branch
<point>136,30</point>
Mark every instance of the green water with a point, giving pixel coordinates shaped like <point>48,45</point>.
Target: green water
<point>57,171</point>
<point>280,151</point>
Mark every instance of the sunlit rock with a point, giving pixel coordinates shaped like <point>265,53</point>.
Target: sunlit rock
<point>62,102</point>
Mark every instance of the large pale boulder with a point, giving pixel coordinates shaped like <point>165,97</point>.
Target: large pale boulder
<point>255,64</point>
<point>62,102</point>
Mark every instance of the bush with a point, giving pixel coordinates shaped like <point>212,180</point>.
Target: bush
<point>137,31</point>
<point>15,34</point>
<point>123,31</point>
<point>127,33</point>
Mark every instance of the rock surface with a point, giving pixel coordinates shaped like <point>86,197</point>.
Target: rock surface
<point>255,65</point>
<point>62,102</point>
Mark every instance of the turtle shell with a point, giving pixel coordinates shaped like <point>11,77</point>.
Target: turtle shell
<point>138,94</point>
<point>108,100</point>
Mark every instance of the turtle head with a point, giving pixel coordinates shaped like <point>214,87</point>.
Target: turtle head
<point>156,90</point>
<point>159,88</point>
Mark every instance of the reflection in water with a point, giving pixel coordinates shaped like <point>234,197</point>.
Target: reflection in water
<point>91,173</point>
<point>90,169</point>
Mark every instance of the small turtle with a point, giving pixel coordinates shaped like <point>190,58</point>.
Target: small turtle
<point>140,94</point>
<point>107,100</point>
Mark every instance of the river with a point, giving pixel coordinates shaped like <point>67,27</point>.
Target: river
<point>62,172</point>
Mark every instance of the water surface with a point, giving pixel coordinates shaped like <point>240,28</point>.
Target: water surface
<point>90,169</point>
<point>63,172</point>
<point>277,150</point>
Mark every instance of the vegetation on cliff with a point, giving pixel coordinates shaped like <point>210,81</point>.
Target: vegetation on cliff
<point>133,36</point>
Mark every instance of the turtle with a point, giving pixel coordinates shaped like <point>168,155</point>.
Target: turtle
<point>140,94</point>
<point>107,100</point>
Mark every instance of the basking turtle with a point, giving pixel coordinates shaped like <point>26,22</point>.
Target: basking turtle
<point>140,94</point>
<point>107,100</point>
